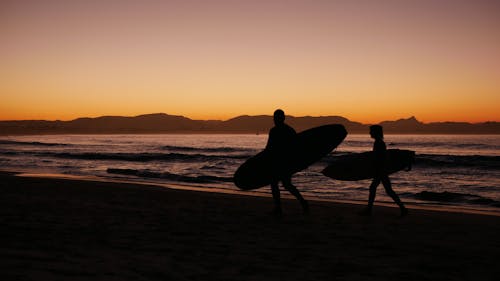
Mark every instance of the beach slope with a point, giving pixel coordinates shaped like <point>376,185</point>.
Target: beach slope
<point>60,229</point>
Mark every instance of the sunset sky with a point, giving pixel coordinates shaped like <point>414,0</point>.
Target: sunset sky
<point>368,61</point>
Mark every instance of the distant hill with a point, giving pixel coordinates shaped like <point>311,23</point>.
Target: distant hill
<point>413,126</point>
<point>164,123</point>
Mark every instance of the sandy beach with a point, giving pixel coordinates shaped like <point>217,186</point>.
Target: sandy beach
<point>60,229</point>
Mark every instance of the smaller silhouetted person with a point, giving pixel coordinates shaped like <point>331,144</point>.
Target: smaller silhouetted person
<point>281,139</point>
<point>379,149</point>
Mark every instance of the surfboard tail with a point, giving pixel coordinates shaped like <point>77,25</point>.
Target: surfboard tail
<point>411,160</point>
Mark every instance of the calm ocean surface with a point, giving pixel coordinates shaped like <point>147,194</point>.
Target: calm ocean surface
<point>461,171</point>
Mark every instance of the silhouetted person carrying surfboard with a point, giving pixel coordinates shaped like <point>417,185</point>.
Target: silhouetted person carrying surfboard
<point>285,154</point>
<point>380,149</point>
<point>281,139</point>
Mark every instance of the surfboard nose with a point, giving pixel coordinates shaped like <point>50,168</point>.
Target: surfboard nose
<point>342,131</point>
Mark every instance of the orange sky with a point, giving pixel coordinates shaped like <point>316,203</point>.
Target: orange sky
<point>365,60</point>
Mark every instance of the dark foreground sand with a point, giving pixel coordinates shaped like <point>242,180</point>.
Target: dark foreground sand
<point>54,229</point>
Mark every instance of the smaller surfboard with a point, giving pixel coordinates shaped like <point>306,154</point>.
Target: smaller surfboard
<point>360,166</point>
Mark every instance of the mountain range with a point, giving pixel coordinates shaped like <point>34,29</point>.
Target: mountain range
<point>164,123</point>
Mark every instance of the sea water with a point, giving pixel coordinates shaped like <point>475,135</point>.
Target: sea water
<point>461,171</point>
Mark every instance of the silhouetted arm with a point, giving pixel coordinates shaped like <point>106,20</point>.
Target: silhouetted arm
<point>270,139</point>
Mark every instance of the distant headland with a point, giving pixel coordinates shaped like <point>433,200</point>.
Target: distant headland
<point>161,123</point>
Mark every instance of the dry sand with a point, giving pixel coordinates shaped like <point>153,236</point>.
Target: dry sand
<point>59,229</point>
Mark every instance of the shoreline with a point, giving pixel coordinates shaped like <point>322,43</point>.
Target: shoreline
<point>264,133</point>
<point>200,188</point>
<point>66,229</point>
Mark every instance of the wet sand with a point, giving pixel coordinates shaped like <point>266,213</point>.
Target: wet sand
<point>61,229</point>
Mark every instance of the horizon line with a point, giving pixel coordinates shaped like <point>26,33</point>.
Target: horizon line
<point>242,115</point>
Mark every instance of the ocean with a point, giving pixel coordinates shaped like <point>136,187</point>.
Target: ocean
<point>456,171</point>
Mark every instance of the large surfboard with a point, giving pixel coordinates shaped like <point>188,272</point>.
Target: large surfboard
<point>360,166</point>
<point>310,146</point>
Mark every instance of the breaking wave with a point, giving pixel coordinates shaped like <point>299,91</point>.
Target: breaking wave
<point>31,143</point>
<point>453,197</point>
<point>169,176</point>
<point>141,157</point>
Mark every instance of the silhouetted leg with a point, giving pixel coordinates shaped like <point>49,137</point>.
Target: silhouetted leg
<point>373,192</point>
<point>287,183</point>
<point>386,182</point>
<point>388,189</point>
<point>276,196</point>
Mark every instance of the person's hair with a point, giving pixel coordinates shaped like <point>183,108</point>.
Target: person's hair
<point>377,131</point>
<point>279,116</point>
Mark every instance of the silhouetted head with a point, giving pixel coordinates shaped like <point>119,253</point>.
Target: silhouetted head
<point>376,132</point>
<point>279,117</point>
